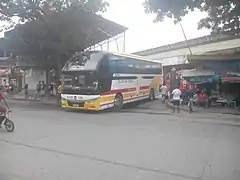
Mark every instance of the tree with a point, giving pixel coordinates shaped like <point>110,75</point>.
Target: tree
<point>49,32</point>
<point>27,10</point>
<point>223,15</point>
<point>51,40</point>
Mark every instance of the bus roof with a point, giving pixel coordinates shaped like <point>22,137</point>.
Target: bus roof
<point>125,55</point>
<point>130,56</point>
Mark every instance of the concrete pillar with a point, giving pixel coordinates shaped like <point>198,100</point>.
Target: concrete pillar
<point>124,42</point>
<point>173,79</point>
<point>108,44</point>
<point>5,53</point>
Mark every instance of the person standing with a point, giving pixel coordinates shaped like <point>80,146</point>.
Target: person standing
<point>203,99</point>
<point>164,91</point>
<point>59,94</point>
<point>43,88</point>
<point>11,89</point>
<point>38,94</point>
<point>26,92</point>
<point>51,87</point>
<point>176,99</point>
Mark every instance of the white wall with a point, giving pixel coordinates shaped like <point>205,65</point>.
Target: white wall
<point>217,46</point>
<point>33,76</point>
<point>172,60</point>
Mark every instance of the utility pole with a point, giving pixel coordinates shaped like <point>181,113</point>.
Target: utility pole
<point>124,41</point>
<point>186,40</point>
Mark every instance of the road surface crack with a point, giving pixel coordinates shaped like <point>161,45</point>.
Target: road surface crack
<point>100,160</point>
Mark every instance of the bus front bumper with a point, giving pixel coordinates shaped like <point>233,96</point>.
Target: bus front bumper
<point>92,106</point>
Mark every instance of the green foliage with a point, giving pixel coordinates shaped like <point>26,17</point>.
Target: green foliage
<point>27,10</point>
<point>50,40</point>
<point>223,15</point>
<point>49,29</point>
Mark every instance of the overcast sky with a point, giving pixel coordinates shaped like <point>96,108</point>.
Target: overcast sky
<point>143,33</point>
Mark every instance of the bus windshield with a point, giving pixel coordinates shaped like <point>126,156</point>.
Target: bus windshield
<point>83,61</point>
<point>80,83</point>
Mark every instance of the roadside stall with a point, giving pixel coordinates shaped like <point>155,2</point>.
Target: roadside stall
<point>196,81</point>
<point>227,67</point>
<point>230,90</point>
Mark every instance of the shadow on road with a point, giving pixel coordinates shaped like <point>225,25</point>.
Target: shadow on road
<point>30,105</point>
<point>128,107</point>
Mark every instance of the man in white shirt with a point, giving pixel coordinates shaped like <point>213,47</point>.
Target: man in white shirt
<point>176,99</point>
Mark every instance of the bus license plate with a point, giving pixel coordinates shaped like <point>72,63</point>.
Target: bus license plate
<point>75,105</point>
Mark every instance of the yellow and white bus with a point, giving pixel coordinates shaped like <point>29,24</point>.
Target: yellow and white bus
<point>97,80</point>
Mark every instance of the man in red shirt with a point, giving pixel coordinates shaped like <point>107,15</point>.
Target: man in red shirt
<point>3,103</point>
<point>203,100</point>
<point>3,108</point>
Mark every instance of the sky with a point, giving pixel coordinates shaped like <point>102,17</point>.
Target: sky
<point>142,33</point>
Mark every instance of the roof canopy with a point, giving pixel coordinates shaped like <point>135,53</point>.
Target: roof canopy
<point>93,28</point>
<point>97,29</point>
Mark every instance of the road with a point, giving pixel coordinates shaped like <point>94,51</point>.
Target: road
<point>52,144</point>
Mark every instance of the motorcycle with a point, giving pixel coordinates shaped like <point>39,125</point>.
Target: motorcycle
<point>6,122</point>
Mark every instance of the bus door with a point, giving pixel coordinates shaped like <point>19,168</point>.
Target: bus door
<point>138,84</point>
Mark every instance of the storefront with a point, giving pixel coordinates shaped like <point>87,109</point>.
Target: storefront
<point>227,68</point>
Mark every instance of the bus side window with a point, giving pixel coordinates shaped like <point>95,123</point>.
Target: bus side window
<point>113,64</point>
<point>104,67</point>
<point>104,75</point>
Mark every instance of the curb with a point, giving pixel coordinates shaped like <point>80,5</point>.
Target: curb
<point>146,112</point>
<point>170,105</point>
<point>31,100</point>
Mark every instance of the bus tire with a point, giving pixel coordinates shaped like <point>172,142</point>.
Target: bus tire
<point>151,95</point>
<point>118,102</point>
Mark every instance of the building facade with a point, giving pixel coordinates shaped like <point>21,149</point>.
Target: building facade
<point>174,54</point>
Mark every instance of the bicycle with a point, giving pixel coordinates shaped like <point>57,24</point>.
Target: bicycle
<point>6,122</point>
<point>190,105</point>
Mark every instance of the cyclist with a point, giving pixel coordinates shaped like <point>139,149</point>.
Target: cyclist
<point>3,107</point>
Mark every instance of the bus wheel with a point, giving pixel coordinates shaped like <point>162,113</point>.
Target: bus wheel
<point>118,102</point>
<point>151,95</point>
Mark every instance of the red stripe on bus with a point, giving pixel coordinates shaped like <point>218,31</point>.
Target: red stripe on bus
<point>115,91</point>
<point>136,97</point>
<point>106,104</point>
<point>144,87</point>
<point>125,100</point>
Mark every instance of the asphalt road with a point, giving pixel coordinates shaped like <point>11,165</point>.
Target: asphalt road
<point>51,144</point>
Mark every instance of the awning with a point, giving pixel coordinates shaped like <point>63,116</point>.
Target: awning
<point>196,73</point>
<point>8,63</point>
<point>230,79</point>
<point>5,72</point>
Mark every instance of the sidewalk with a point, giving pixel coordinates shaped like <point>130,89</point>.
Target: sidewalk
<point>20,97</point>
<point>148,107</point>
<point>157,107</point>
<point>215,110</point>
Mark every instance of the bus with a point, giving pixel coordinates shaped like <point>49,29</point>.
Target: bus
<point>98,80</point>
